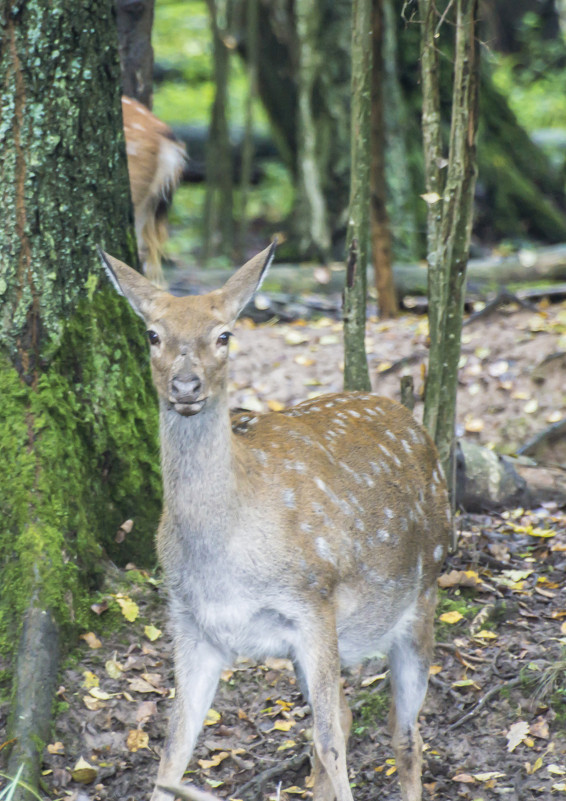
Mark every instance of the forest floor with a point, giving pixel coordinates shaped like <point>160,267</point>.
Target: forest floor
<point>494,719</point>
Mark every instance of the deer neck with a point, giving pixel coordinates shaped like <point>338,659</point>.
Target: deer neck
<point>197,460</point>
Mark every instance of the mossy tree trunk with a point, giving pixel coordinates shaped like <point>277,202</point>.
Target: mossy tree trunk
<point>450,191</point>
<point>356,375</point>
<point>78,433</point>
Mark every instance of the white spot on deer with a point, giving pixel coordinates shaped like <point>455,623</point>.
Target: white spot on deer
<point>406,447</point>
<point>368,479</point>
<point>324,550</point>
<point>354,413</point>
<point>315,409</point>
<point>375,467</point>
<point>329,405</point>
<point>298,466</point>
<point>448,514</point>
<point>391,436</point>
<point>131,148</point>
<point>389,513</point>
<point>383,535</point>
<point>359,524</point>
<point>438,553</point>
<point>414,435</point>
<point>384,450</point>
<point>371,412</point>
<point>253,421</point>
<point>306,527</point>
<point>261,456</point>
<point>289,498</point>
<point>351,471</point>
<point>396,459</point>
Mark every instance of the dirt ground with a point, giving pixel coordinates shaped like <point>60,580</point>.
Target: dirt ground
<point>493,721</point>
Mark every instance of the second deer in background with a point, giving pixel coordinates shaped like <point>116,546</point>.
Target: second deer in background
<point>155,163</point>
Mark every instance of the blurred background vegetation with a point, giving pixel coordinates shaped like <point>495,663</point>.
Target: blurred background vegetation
<point>521,147</point>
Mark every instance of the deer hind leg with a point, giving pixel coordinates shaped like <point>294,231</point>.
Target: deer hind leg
<point>319,673</point>
<point>322,789</point>
<point>409,661</point>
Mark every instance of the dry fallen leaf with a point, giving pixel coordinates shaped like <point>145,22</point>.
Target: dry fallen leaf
<point>212,717</point>
<point>516,734</point>
<point>283,725</point>
<point>136,740</point>
<point>145,711</point>
<point>129,608</point>
<point>113,668</point>
<point>451,617</point>
<point>56,748</point>
<point>214,761</point>
<point>91,640</point>
<point>83,772</point>
<point>459,578</point>
<point>152,633</point>
<point>90,679</point>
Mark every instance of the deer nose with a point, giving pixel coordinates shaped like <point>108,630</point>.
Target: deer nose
<point>185,389</point>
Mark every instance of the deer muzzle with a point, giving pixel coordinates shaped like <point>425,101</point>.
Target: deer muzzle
<point>186,394</point>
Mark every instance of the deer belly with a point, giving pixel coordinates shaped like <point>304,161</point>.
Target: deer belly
<point>362,635</point>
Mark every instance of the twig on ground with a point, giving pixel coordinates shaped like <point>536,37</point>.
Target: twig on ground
<point>256,784</point>
<point>189,792</point>
<point>503,298</point>
<point>483,701</point>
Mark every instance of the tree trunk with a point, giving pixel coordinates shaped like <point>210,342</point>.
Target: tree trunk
<point>135,20</point>
<point>248,139</point>
<point>450,205</point>
<point>514,198</point>
<point>356,374</point>
<point>79,424</point>
<point>380,231</point>
<point>218,207</point>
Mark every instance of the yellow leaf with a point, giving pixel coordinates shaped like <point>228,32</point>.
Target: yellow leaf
<point>99,694</point>
<point>83,772</point>
<point>516,734</point>
<point>275,405</point>
<point>91,679</point>
<point>294,337</point>
<point>485,635</point>
<point>390,771</point>
<point>129,608</point>
<point>451,617</point>
<point>474,425</point>
<point>286,744</point>
<point>283,725</point>
<point>488,777</point>
<point>56,748</point>
<point>294,790</point>
<point>92,703</point>
<point>152,633</point>
<point>304,361</point>
<point>136,740</point>
<point>214,761</point>
<point>212,717</point>
<point>537,765</point>
<point>430,198</point>
<point>113,668</point>
<point>91,640</point>
<point>435,669</point>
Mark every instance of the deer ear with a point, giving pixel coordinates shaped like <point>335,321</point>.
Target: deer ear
<point>138,291</point>
<point>240,288</point>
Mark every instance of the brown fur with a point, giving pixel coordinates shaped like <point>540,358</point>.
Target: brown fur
<point>155,163</point>
<point>316,533</point>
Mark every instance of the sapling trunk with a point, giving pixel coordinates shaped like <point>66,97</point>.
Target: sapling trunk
<point>356,375</point>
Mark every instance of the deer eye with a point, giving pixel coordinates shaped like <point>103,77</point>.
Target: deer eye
<point>153,337</point>
<point>223,338</point>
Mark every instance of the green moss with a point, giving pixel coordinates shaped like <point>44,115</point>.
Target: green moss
<point>80,455</point>
<point>373,708</point>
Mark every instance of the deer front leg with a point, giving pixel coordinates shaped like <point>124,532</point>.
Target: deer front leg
<point>320,665</point>
<point>197,671</point>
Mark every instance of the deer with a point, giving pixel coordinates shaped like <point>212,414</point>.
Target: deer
<point>156,160</point>
<point>315,533</point>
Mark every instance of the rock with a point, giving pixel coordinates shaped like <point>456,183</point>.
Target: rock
<point>490,482</point>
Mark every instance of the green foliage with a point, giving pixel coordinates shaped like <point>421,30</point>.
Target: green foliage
<point>182,42</point>
<point>80,456</point>
<point>533,80</point>
<point>373,707</point>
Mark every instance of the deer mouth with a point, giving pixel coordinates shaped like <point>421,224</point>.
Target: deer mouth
<point>187,409</point>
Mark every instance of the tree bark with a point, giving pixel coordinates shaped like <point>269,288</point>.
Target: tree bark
<point>218,207</point>
<point>79,424</point>
<point>380,230</point>
<point>450,219</point>
<point>356,374</point>
<point>135,20</point>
